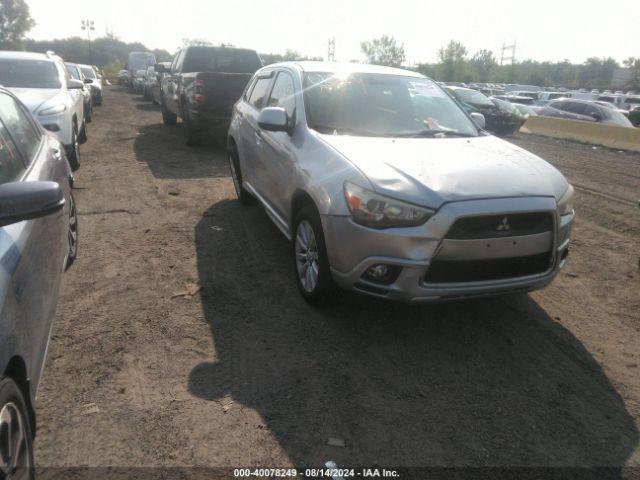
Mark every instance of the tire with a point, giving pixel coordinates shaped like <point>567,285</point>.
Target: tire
<point>73,151</point>
<point>99,99</point>
<point>88,114</point>
<point>193,132</point>
<point>14,417</point>
<point>236,175</point>
<point>168,118</point>
<point>82,138</point>
<point>72,235</point>
<point>310,260</point>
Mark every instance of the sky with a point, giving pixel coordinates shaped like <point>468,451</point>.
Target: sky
<point>541,29</point>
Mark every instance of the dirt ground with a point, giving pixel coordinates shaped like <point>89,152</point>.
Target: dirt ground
<point>244,373</point>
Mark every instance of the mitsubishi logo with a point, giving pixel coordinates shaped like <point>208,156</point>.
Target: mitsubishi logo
<point>504,226</point>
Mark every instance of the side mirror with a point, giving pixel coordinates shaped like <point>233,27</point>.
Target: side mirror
<point>88,80</point>
<point>479,120</point>
<point>75,84</point>
<point>274,119</point>
<point>597,117</point>
<point>159,68</point>
<point>28,200</point>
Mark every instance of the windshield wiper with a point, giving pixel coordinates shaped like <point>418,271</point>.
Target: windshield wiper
<point>343,130</point>
<point>434,133</point>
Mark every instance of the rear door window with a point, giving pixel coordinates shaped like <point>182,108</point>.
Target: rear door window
<point>20,128</point>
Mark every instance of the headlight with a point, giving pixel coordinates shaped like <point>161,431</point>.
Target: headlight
<point>565,205</point>
<point>377,211</point>
<point>55,110</point>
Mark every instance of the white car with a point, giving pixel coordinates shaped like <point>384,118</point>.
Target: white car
<point>95,83</point>
<point>41,82</point>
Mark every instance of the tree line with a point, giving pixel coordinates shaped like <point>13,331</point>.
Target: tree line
<point>455,63</point>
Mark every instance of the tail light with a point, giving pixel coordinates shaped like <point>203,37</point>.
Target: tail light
<point>198,91</point>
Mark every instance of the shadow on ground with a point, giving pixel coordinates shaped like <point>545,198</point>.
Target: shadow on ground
<point>164,149</point>
<point>486,383</point>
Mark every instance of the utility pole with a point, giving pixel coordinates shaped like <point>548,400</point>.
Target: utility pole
<point>89,26</point>
<point>331,53</point>
<point>508,48</point>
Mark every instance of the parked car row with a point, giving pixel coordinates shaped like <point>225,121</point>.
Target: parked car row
<point>386,183</point>
<point>45,107</point>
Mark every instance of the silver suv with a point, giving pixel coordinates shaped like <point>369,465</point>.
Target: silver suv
<point>41,81</point>
<point>387,187</point>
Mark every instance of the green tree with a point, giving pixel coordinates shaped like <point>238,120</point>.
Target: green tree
<point>453,62</point>
<point>384,51</point>
<point>483,65</point>
<point>15,22</point>
<point>633,64</point>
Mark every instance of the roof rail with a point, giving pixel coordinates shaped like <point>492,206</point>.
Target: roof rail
<point>50,53</point>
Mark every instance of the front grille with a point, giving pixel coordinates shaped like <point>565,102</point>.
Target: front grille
<point>458,271</point>
<point>499,226</point>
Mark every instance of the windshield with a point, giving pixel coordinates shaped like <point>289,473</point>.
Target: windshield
<point>138,61</point>
<point>19,73</point>
<point>74,72</point>
<point>381,105</point>
<point>472,97</point>
<point>88,72</point>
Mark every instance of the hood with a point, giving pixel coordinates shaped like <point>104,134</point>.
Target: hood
<point>33,98</point>
<point>434,171</point>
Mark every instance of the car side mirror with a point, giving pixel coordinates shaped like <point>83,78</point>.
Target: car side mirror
<point>88,80</point>
<point>21,201</point>
<point>274,119</point>
<point>596,116</point>
<point>75,84</point>
<point>159,68</point>
<point>479,120</point>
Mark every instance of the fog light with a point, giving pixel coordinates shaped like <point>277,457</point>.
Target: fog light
<point>382,274</point>
<point>378,271</point>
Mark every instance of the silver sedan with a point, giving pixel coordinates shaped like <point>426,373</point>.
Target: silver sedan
<point>387,187</point>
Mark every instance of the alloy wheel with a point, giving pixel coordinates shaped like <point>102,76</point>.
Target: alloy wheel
<point>307,261</point>
<point>14,448</point>
<point>73,228</point>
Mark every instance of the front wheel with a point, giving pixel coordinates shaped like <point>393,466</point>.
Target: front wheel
<point>310,258</point>
<point>16,438</point>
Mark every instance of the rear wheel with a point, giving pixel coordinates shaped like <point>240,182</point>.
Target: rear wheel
<point>73,151</point>
<point>168,118</point>
<point>16,438</point>
<point>99,99</point>
<point>193,132</point>
<point>310,258</point>
<point>73,232</point>
<point>236,175</point>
